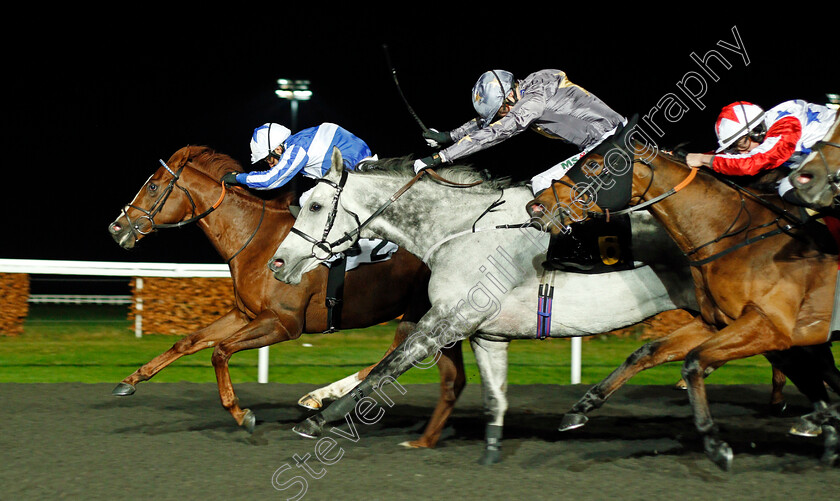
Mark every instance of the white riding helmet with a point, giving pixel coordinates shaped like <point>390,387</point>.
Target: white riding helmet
<point>737,120</point>
<point>488,93</point>
<point>265,139</point>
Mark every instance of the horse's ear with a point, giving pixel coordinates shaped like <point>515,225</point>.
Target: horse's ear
<point>337,162</point>
<point>179,158</point>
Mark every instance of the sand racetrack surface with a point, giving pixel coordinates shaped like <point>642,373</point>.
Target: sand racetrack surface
<point>175,441</point>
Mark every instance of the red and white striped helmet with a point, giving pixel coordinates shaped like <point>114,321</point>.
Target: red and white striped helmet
<point>735,121</point>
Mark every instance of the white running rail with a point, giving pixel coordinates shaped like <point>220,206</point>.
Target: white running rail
<point>114,269</point>
<point>139,270</point>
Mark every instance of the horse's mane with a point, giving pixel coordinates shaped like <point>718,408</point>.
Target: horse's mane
<point>403,167</point>
<point>214,165</point>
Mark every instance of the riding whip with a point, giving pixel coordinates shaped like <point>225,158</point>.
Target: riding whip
<point>399,89</point>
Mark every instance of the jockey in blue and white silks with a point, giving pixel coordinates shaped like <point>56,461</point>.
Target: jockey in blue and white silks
<point>309,151</point>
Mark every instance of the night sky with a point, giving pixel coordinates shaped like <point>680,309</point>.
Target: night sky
<point>89,108</point>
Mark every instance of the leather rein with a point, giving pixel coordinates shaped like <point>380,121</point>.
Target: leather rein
<point>328,247</point>
<point>729,232</point>
<point>149,214</point>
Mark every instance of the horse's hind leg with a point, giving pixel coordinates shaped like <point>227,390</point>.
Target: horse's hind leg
<point>809,368</point>
<point>314,399</point>
<point>670,348</point>
<point>803,369</point>
<point>824,359</point>
<point>433,332</point>
<point>452,382</point>
<point>207,337</point>
<point>492,360</point>
<point>777,399</point>
<point>266,329</point>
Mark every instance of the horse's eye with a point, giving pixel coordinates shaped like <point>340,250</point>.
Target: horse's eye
<point>152,187</point>
<point>314,207</point>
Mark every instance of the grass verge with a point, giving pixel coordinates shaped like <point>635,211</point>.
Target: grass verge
<point>95,344</point>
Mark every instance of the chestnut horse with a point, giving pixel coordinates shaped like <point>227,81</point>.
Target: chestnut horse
<point>246,229</point>
<point>762,285</point>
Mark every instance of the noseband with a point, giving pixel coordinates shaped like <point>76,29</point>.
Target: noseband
<point>323,244</point>
<point>328,247</point>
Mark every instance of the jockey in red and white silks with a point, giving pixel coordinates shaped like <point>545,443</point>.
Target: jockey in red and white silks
<point>792,128</point>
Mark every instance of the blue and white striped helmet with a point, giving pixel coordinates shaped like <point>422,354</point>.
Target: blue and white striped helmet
<point>489,93</point>
<point>266,138</point>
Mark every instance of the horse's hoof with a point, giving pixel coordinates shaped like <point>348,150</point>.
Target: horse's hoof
<point>309,428</point>
<point>249,421</point>
<point>778,409</point>
<point>571,421</point>
<point>123,390</point>
<point>719,452</point>
<point>805,428</point>
<point>414,444</point>
<point>309,402</point>
<point>490,456</point>
<point>681,385</point>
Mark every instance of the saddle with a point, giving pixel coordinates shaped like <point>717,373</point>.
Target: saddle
<point>595,245</point>
<point>600,245</point>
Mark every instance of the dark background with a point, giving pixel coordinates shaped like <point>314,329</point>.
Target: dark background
<point>90,107</point>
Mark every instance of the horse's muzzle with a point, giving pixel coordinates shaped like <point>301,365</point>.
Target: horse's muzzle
<point>801,180</point>
<point>275,265</point>
<point>122,235</point>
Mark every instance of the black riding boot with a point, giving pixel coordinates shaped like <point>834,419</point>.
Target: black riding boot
<point>566,251</point>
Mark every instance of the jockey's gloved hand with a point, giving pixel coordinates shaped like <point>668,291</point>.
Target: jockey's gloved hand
<point>436,139</point>
<point>230,178</point>
<point>427,162</point>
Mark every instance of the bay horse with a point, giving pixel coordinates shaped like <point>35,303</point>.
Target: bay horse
<point>762,284</point>
<point>245,229</point>
<point>485,273</point>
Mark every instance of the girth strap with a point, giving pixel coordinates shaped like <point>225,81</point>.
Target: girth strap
<point>545,297</point>
<point>335,294</point>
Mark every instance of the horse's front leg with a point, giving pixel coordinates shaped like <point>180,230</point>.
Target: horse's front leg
<point>314,399</point>
<point>433,333</point>
<point>670,348</point>
<point>266,329</point>
<point>492,360</point>
<point>749,335</point>
<point>206,337</point>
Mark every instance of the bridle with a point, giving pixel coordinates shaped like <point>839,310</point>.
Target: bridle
<point>832,180</point>
<point>328,247</point>
<point>630,209</point>
<point>149,214</point>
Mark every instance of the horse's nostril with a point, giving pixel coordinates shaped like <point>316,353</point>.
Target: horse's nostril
<point>536,208</point>
<point>804,178</point>
<point>115,227</point>
<point>277,264</point>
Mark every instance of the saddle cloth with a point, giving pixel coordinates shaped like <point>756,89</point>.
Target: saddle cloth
<point>368,250</point>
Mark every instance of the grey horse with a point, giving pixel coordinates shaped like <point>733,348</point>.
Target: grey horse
<point>486,271</point>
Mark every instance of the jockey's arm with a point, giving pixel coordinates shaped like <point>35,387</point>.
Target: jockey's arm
<point>290,163</point>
